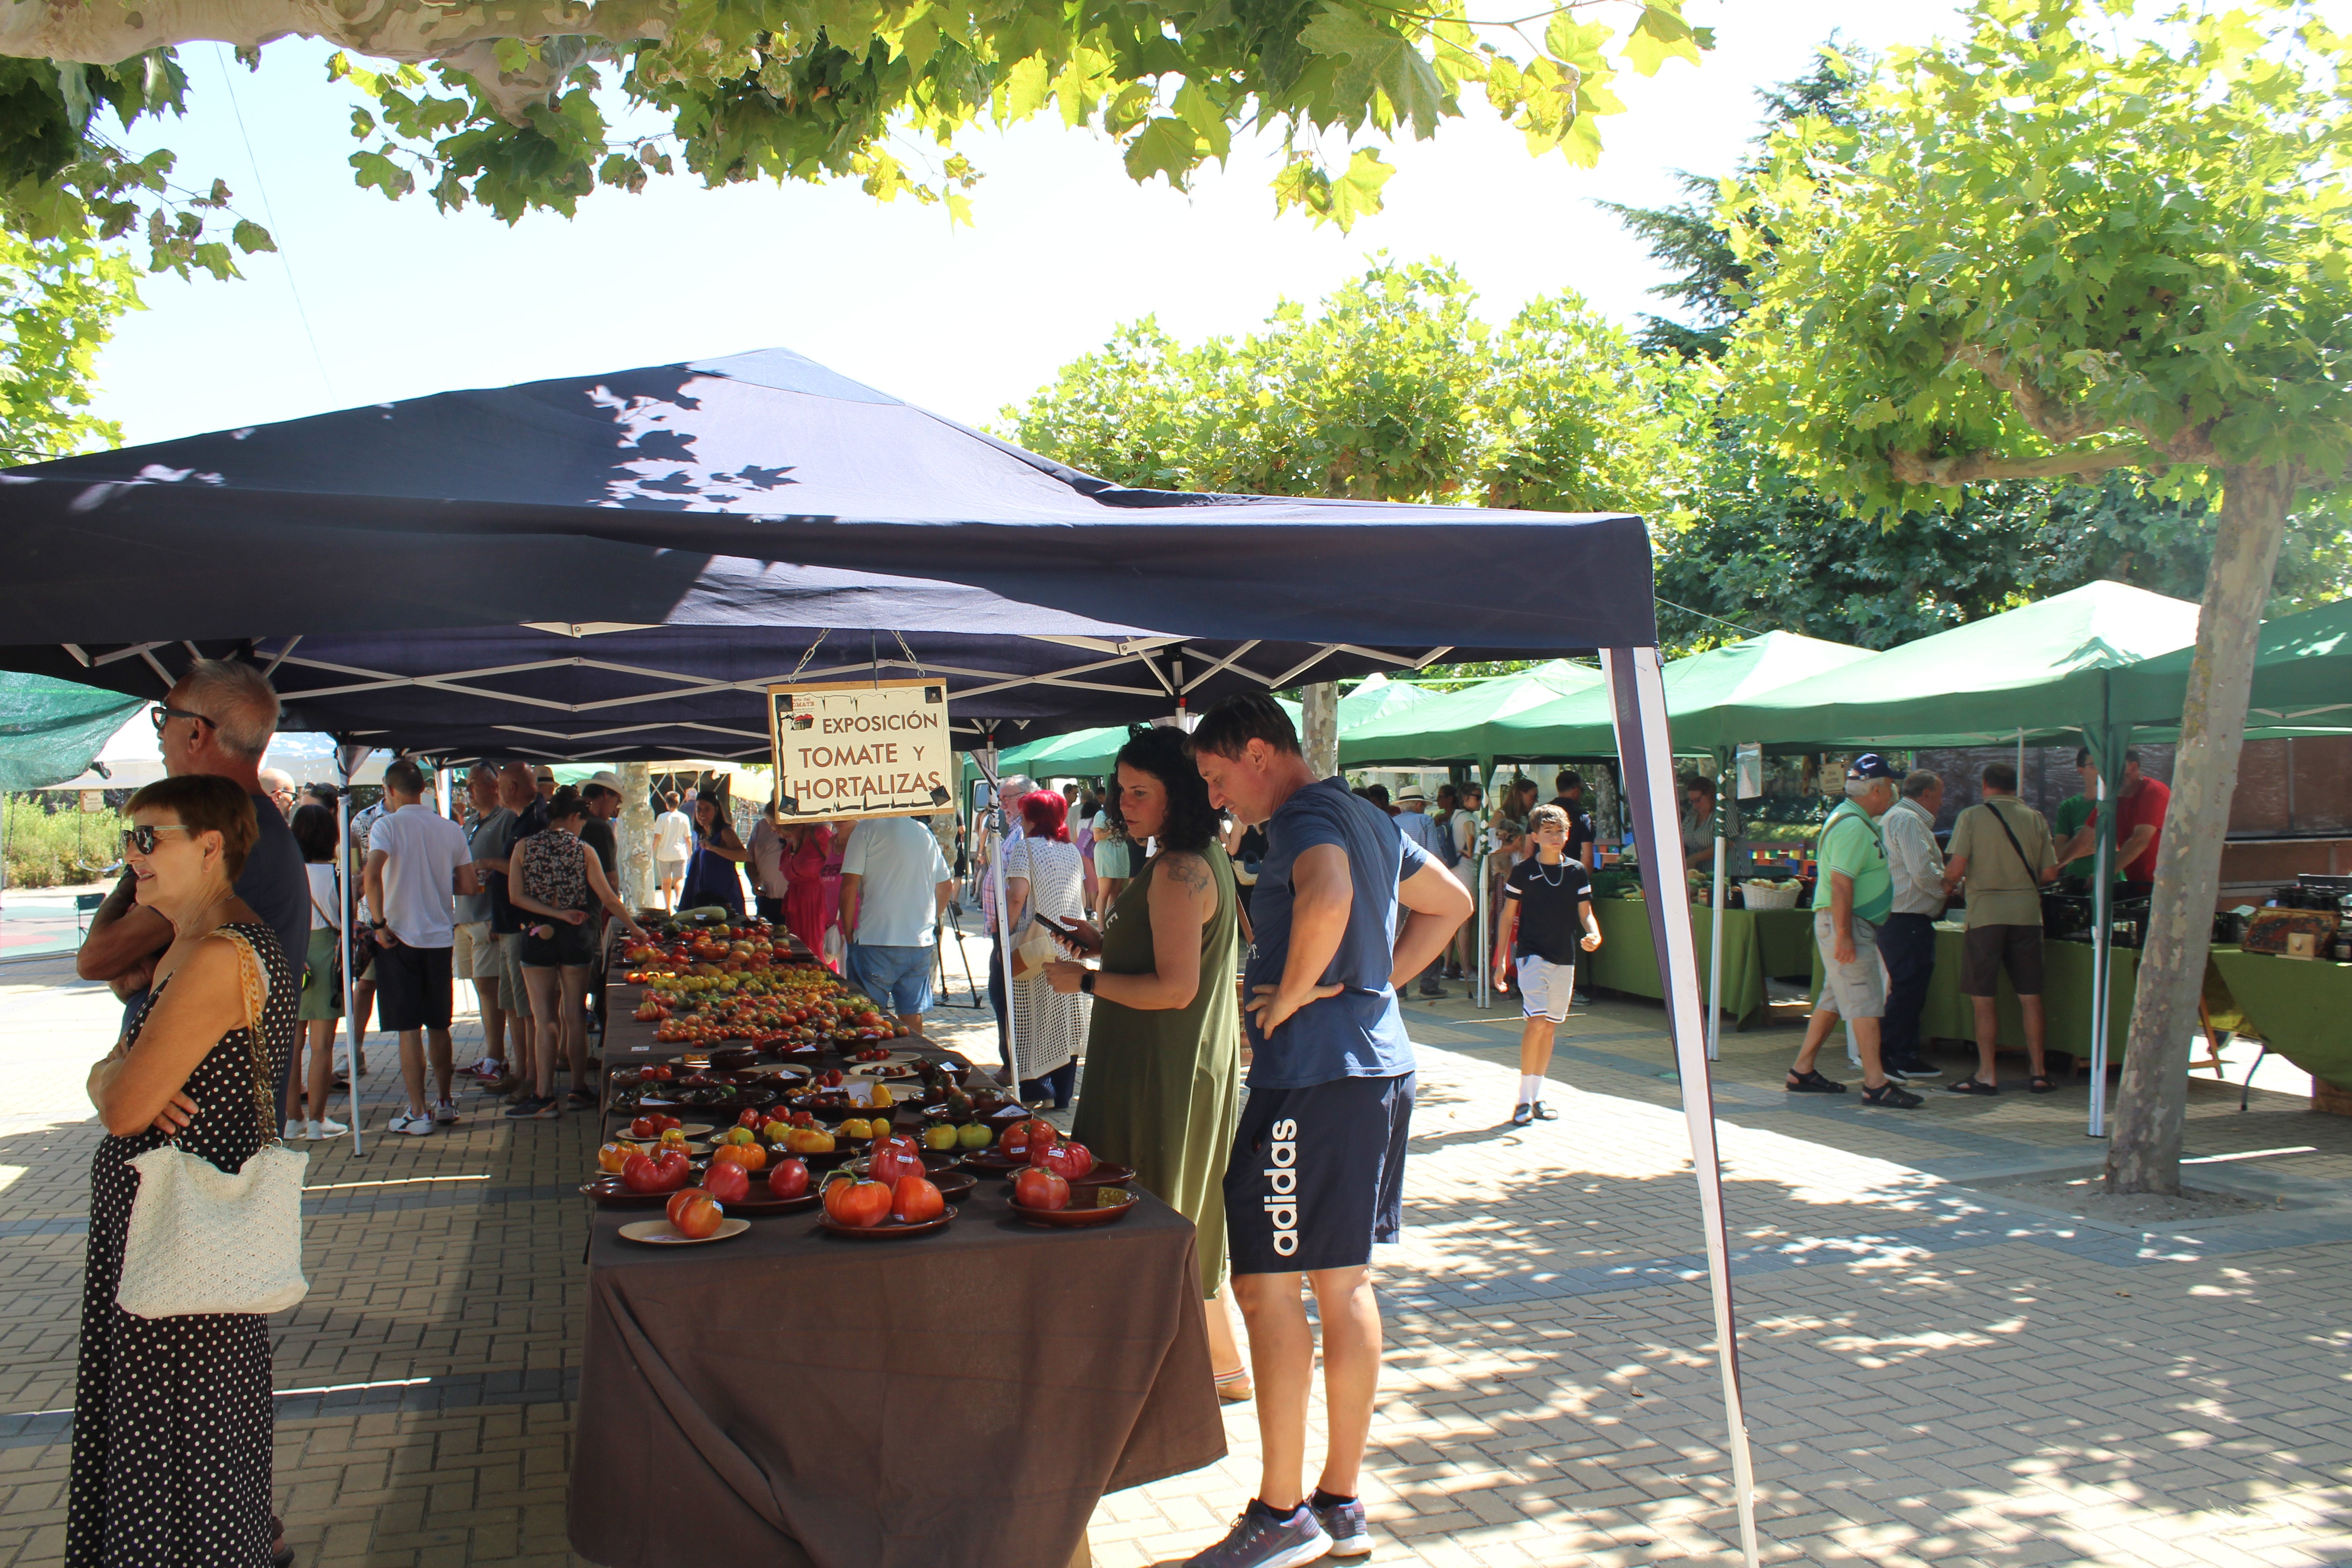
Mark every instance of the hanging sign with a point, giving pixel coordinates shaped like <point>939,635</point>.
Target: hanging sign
<point>861,749</point>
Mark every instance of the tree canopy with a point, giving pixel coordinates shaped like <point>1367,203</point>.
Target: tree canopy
<point>60,299</point>
<point>538,103</point>
<point>1391,389</point>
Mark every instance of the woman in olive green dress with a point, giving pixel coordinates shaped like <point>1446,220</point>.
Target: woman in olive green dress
<point>1163,1051</point>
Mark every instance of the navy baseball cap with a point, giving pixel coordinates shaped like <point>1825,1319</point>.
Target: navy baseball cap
<point>1871,765</point>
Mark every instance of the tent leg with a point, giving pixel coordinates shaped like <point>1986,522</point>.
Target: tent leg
<point>1484,984</point>
<point>1638,703</point>
<point>343,937</point>
<point>1714,963</point>
<point>995,846</point>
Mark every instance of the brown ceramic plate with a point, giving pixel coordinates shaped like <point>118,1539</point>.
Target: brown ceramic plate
<point>989,1162</point>
<point>1078,1218</point>
<point>889,1230</point>
<point>612,1193</point>
<point>952,1185</point>
<point>661,1233</point>
<point>1105,1174</point>
<point>760,1204</point>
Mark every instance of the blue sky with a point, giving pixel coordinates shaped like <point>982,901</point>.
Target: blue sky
<point>402,301</point>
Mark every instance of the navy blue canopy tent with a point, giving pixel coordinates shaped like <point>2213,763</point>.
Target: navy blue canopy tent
<point>616,565</point>
<point>611,566</point>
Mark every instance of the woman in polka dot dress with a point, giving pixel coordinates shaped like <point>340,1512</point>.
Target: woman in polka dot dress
<point>171,1415</point>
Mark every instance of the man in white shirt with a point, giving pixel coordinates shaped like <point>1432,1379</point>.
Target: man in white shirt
<point>416,860</point>
<point>673,842</point>
<point>894,884</point>
<point>1908,941</point>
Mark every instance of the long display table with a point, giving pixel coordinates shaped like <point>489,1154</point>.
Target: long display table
<point>1756,943</point>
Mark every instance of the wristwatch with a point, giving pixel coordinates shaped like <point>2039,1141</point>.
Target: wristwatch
<point>1086,982</point>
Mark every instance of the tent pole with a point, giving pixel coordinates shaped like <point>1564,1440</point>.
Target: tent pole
<point>1637,699</point>
<point>2103,954</point>
<point>1714,963</point>
<point>1483,986</point>
<point>995,846</point>
<point>343,937</point>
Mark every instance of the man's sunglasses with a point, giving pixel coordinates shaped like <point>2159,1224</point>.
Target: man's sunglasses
<point>163,715</point>
<point>142,838</point>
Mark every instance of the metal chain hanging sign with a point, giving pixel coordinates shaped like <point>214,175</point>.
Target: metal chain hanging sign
<point>861,749</point>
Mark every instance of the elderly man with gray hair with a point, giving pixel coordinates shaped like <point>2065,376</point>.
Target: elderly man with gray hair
<point>1907,940</point>
<point>218,720</point>
<point>1853,897</point>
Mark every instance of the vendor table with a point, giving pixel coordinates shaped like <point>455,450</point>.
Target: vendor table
<point>1756,943</point>
<point>2067,972</point>
<point>2299,1006</point>
<point>792,1398</point>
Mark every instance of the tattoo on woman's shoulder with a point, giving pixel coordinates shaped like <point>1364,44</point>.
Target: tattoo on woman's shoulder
<point>1190,872</point>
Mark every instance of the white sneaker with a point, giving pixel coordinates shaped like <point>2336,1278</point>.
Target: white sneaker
<point>412,1126</point>
<point>444,1110</point>
<point>294,1130</point>
<point>325,1127</point>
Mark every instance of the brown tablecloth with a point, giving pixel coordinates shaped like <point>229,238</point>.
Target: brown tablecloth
<point>962,1400</point>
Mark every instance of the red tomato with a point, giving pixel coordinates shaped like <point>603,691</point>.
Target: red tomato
<point>644,1127</point>
<point>895,1159</point>
<point>641,1174</point>
<point>858,1205</point>
<point>915,1200</point>
<point>695,1213</point>
<point>675,1169</point>
<point>658,1074</point>
<point>1029,1141</point>
<point>788,1179</point>
<point>1037,1188</point>
<point>1069,1161</point>
<point>750,1118</point>
<point>726,1181</point>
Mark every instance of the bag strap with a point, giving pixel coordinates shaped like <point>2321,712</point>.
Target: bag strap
<point>2007,832</point>
<point>256,999</point>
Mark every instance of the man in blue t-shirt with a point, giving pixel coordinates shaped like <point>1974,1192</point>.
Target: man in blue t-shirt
<point>1317,1173</point>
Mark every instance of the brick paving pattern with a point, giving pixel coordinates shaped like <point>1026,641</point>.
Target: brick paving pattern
<point>1934,1373</point>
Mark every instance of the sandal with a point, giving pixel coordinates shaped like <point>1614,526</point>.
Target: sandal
<point>1811,1081</point>
<point>1234,1387</point>
<point>582,1100</point>
<point>1893,1095</point>
<point>1971,1086</point>
<point>2040,1084</point>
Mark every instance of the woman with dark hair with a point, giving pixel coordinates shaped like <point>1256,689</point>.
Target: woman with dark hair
<point>560,879</point>
<point>710,874</point>
<point>1163,1055</point>
<point>1044,880</point>
<point>323,995</point>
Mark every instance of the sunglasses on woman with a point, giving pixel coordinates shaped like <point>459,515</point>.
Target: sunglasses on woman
<point>142,838</point>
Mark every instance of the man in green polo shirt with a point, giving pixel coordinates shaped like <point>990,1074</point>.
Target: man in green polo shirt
<point>1853,896</point>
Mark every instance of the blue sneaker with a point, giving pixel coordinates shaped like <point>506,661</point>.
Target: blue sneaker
<point>1344,1523</point>
<point>1262,1538</point>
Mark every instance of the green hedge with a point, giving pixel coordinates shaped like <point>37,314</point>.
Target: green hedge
<point>58,848</point>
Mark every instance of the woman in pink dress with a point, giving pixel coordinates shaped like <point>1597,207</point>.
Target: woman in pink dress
<point>835,849</point>
<point>806,846</point>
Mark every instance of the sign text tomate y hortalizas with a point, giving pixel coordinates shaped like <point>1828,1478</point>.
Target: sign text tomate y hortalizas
<point>861,749</point>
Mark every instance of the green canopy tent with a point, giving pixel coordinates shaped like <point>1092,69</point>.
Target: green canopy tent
<point>50,730</point>
<point>2302,684</point>
<point>1463,725</point>
<point>1700,690</point>
<point>1089,753</point>
<point>2041,670</point>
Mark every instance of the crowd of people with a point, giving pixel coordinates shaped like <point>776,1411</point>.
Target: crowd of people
<point>1885,882</point>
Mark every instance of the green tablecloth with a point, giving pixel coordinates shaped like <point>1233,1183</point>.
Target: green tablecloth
<point>2065,998</point>
<point>1755,944</point>
<point>2300,1005</point>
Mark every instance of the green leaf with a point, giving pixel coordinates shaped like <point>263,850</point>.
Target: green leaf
<point>1166,147</point>
<point>1661,35</point>
<point>1378,58</point>
<point>250,236</point>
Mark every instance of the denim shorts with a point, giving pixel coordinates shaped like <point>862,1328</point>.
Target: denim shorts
<point>898,978</point>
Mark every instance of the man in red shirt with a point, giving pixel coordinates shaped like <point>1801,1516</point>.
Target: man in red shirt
<point>2140,807</point>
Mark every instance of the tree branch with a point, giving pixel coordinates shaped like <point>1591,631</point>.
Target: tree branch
<point>1967,467</point>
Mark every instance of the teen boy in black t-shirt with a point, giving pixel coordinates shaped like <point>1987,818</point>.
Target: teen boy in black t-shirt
<point>1548,907</point>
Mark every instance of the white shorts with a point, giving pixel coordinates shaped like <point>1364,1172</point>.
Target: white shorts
<point>1545,988</point>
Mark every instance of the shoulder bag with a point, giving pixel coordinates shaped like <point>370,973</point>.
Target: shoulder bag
<point>204,1240</point>
<point>2031,877</point>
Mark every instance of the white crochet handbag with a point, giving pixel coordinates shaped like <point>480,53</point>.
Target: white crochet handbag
<point>202,1240</point>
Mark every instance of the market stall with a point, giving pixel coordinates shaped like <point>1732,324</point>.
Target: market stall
<point>1757,945</point>
<point>620,565</point>
<point>2069,996</point>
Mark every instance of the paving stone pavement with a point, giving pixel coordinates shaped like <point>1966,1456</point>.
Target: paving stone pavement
<point>1935,1372</point>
